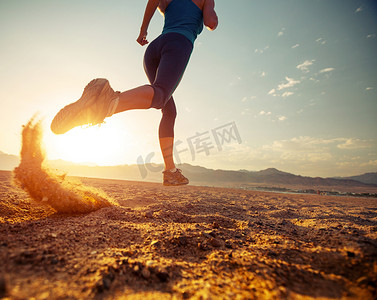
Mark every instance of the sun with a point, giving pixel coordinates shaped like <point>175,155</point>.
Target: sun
<point>100,145</point>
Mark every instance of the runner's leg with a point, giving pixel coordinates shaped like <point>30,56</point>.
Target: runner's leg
<point>174,53</point>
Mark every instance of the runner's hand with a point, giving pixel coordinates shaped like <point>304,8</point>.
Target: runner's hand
<point>142,38</point>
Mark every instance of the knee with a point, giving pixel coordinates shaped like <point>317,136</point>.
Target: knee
<point>160,97</point>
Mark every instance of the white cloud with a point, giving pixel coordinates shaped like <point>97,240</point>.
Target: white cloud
<point>371,163</point>
<point>304,66</point>
<point>295,46</point>
<point>301,143</point>
<point>245,99</point>
<point>281,32</point>
<point>321,41</point>
<point>286,94</point>
<point>263,113</point>
<point>359,9</point>
<point>326,70</point>
<point>371,36</point>
<point>290,83</point>
<point>282,118</point>
<point>261,50</point>
<point>263,74</point>
<point>353,144</point>
<point>369,88</point>
<point>301,149</point>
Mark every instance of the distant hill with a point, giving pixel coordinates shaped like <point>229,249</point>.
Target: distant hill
<point>270,177</point>
<point>8,161</point>
<point>370,178</point>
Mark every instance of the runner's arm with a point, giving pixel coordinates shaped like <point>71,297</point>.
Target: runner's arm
<point>148,14</point>
<point>209,15</point>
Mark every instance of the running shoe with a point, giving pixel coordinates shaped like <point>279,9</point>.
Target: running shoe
<point>97,102</point>
<point>174,178</point>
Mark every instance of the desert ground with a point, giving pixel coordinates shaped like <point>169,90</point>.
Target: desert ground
<point>188,242</point>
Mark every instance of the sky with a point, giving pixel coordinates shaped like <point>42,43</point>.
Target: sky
<point>286,84</point>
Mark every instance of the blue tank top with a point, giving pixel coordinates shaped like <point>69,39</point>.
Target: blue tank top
<point>185,17</point>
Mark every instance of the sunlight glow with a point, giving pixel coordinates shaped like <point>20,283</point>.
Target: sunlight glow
<point>99,145</point>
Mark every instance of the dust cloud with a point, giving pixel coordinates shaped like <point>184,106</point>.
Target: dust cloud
<point>45,186</point>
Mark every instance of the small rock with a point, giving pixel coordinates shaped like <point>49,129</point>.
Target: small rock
<point>215,242</point>
<point>128,253</point>
<point>203,247</point>
<point>146,273</point>
<point>350,254</point>
<point>215,225</point>
<point>44,199</point>
<point>155,243</point>
<point>149,214</point>
<point>54,235</point>
<point>93,252</point>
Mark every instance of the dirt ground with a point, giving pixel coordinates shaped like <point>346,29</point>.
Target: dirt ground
<point>188,243</point>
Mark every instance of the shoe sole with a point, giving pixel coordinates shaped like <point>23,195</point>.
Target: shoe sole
<point>173,184</point>
<point>62,122</point>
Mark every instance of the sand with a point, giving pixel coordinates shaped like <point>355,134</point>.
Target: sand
<point>44,185</point>
<point>188,243</point>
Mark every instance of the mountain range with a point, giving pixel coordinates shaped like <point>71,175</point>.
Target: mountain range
<point>270,177</point>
